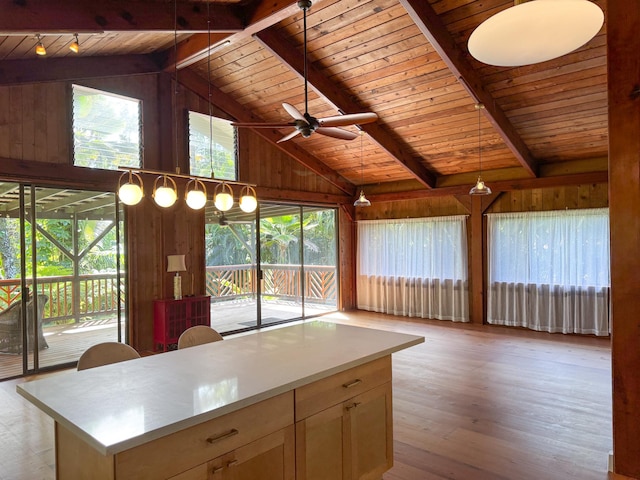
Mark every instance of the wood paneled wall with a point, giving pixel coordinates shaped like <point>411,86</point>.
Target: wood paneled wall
<point>558,198</point>
<point>35,126</point>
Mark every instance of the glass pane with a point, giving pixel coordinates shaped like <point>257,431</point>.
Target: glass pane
<point>217,157</point>
<point>230,252</point>
<point>320,261</point>
<point>280,262</point>
<point>76,272</point>
<point>106,129</point>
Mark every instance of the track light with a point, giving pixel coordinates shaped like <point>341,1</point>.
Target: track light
<point>165,195</point>
<point>196,196</point>
<point>75,45</point>
<point>40,50</point>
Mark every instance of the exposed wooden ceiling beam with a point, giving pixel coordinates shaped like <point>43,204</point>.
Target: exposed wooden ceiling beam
<point>342,102</point>
<point>199,86</point>
<point>434,30</point>
<point>499,186</point>
<point>72,68</point>
<point>262,16</point>
<point>72,16</point>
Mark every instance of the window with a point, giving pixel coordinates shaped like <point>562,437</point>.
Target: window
<point>549,271</point>
<point>569,248</point>
<point>212,137</point>
<point>107,130</point>
<point>414,267</point>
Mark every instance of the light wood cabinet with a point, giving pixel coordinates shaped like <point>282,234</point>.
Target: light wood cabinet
<point>351,439</point>
<point>269,458</point>
<point>233,446</point>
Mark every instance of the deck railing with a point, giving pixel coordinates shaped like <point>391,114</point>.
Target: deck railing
<point>77,297</point>
<point>281,281</point>
<point>69,297</point>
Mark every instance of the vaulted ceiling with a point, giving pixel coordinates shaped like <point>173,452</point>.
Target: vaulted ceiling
<point>405,60</point>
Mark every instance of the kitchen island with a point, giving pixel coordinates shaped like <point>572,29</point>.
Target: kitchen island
<point>306,401</point>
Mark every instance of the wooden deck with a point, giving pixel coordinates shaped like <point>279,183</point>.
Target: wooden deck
<point>66,344</point>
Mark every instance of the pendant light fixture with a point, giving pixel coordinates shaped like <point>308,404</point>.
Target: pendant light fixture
<point>534,31</point>
<point>196,194</point>
<point>479,188</point>
<point>362,200</point>
<point>165,195</point>
<point>130,192</point>
<point>248,202</point>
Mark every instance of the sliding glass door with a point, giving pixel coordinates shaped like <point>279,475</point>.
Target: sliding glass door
<point>62,285</point>
<point>275,265</point>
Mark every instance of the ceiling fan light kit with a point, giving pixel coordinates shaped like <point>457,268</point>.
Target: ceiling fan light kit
<point>535,31</point>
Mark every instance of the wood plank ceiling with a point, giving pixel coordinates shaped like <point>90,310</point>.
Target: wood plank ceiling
<point>405,60</point>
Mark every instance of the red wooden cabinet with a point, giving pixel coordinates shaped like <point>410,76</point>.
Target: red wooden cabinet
<point>172,317</point>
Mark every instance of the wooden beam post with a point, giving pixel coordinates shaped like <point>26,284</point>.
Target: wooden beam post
<point>623,64</point>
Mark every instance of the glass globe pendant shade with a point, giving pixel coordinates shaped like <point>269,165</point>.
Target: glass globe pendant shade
<point>362,201</point>
<point>535,31</point>
<point>248,200</point>
<point>223,199</point>
<point>480,188</point>
<point>164,195</point>
<point>130,193</point>
<point>196,197</point>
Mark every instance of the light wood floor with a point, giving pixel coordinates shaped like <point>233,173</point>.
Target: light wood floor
<point>471,403</point>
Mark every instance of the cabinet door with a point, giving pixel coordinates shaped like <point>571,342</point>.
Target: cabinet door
<point>269,458</point>
<point>319,445</point>
<point>369,423</point>
<point>349,441</point>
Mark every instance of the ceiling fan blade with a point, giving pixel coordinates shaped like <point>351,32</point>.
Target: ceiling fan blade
<point>336,133</point>
<point>294,112</point>
<point>263,125</point>
<point>289,137</point>
<point>348,119</point>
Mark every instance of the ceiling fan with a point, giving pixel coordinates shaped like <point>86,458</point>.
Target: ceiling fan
<point>304,123</point>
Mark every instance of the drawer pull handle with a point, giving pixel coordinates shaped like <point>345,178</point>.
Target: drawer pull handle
<point>217,470</point>
<point>223,436</point>
<point>353,405</point>
<point>232,463</point>
<point>357,381</point>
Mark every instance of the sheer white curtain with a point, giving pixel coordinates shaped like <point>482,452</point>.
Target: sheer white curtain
<point>414,267</point>
<point>549,271</point>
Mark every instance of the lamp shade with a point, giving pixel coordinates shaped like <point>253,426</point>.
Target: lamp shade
<point>480,188</point>
<point>165,195</point>
<point>175,263</point>
<point>223,197</point>
<point>248,201</point>
<point>535,31</point>
<point>196,196</point>
<point>130,192</point>
<point>362,201</point>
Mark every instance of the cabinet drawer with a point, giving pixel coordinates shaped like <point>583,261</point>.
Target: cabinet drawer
<point>337,388</point>
<point>195,445</point>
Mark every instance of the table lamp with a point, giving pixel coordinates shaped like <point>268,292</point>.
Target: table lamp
<point>175,263</point>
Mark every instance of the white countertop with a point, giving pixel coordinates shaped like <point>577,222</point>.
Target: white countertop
<point>120,406</point>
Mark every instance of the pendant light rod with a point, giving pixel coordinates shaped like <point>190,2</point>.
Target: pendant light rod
<point>305,5</point>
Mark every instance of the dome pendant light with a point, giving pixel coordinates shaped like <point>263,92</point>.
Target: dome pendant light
<point>362,200</point>
<point>479,188</point>
<point>535,31</point>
